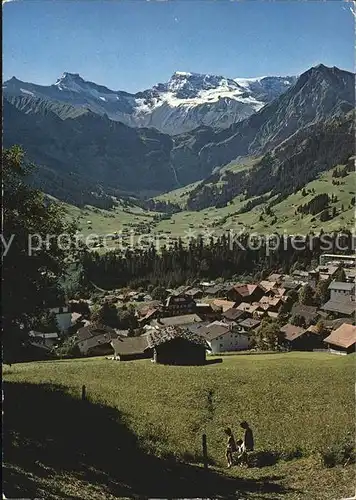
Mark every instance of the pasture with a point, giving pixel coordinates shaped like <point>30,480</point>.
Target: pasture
<point>138,414</point>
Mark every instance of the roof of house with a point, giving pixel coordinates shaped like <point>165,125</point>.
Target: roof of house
<point>292,332</point>
<point>328,270</point>
<point>179,298</point>
<point>344,336</point>
<point>94,330</point>
<point>335,323</point>
<point>251,308</point>
<point>212,331</point>
<point>290,284</point>
<point>347,308</point>
<point>268,284</point>
<point>185,319</point>
<point>194,291</point>
<point>279,291</point>
<point>274,277</point>
<point>271,301</point>
<point>89,343</point>
<point>130,345</point>
<point>197,327</point>
<point>211,290</point>
<point>232,313</point>
<point>249,323</point>
<point>158,337</point>
<point>149,314</point>
<point>245,290</point>
<point>340,285</point>
<point>224,304</point>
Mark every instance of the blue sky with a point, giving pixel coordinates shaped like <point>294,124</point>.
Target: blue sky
<point>131,45</point>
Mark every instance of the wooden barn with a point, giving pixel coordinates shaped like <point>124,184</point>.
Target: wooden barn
<point>177,346</point>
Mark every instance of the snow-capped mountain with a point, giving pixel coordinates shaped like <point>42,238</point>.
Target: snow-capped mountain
<point>185,102</point>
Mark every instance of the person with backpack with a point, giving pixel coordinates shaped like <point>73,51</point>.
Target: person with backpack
<point>248,441</point>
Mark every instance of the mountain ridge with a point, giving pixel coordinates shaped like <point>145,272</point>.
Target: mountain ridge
<point>113,157</point>
<point>185,102</point>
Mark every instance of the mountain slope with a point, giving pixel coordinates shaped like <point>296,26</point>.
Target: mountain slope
<point>320,93</point>
<point>185,102</point>
<point>306,130</point>
<point>94,149</point>
<point>289,166</point>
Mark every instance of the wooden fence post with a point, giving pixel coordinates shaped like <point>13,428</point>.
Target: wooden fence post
<point>205,452</point>
<point>83,393</point>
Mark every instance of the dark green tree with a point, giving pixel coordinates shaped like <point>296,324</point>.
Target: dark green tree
<point>322,292</point>
<point>339,275</point>
<point>34,256</point>
<point>306,295</point>
<point>106,315</point>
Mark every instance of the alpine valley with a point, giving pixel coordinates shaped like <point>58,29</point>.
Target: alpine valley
<point>214,139</point>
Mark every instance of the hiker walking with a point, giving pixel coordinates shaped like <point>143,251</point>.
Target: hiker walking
<point>248,441</point>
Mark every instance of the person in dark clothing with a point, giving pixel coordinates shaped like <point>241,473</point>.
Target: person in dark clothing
<point>230,447</point>
<point>248,441</point>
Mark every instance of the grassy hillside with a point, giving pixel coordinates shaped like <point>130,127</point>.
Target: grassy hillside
<point>293,402</point>
<point>218,220</point>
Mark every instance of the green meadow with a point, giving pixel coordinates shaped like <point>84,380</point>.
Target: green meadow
<point>139,414</point>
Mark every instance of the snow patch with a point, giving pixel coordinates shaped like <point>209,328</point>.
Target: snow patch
<point>27,92</point>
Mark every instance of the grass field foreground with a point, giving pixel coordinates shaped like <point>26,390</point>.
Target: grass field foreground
<point>298,404</point>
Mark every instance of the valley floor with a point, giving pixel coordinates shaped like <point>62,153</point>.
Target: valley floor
<point>138,434</point>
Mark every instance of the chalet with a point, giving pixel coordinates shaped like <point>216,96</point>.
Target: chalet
<point>184,320</point>
<point>342,340</point>
<point>233,314</point>
<point>291,284</point>
<point>205,311</point>
<point>268,285</point>
<point>326,272</point>
<point>177,346</point>
<point>195,293</point>
<point>341,292</point>
<point>95,340</point>
<point>149,316</point>
<point>222,338</point>
<point>129,348</point>
<point>340,308</point>
<point>222,305</point>
<point>245,293</point>
<point>301,339</point>
<point>274,303</point>
<point>216,291</point>
<point>179,304</point>
<point>248,324</point>
<point>249,309</point>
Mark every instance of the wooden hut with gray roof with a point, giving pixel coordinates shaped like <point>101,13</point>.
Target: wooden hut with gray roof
<point>177,346</point>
